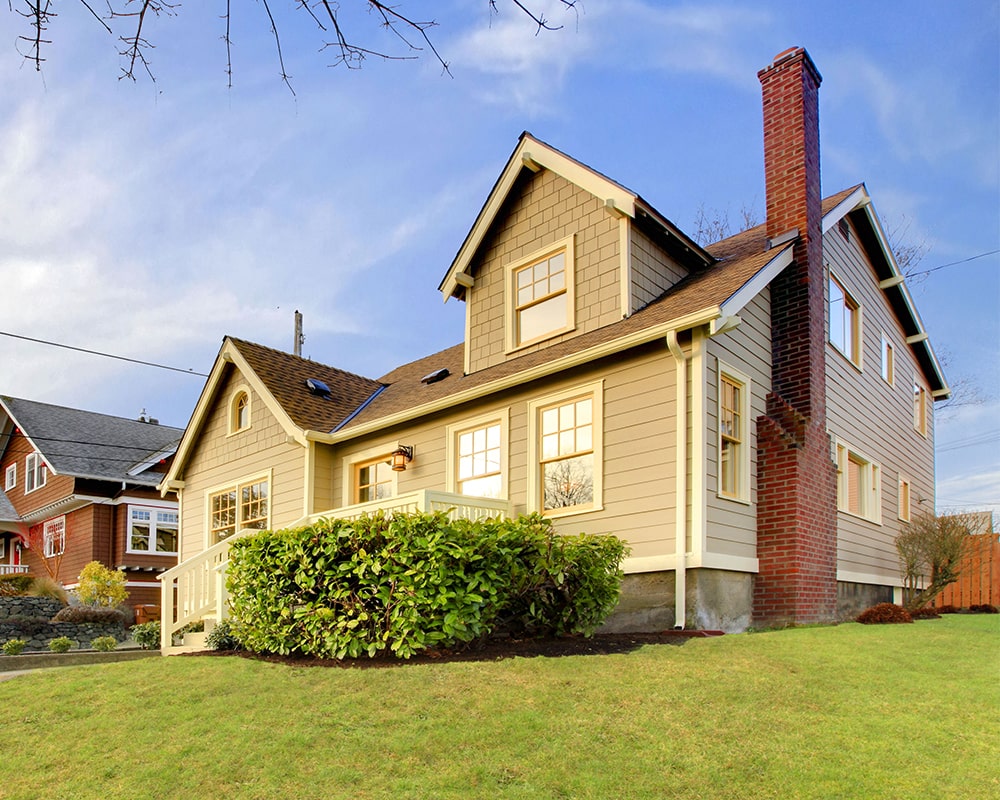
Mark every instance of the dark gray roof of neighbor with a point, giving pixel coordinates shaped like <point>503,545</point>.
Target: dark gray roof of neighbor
<point>7,512</point>
<point>85,444</point>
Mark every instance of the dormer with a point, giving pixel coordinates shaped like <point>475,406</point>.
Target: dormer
<point>556,251</point>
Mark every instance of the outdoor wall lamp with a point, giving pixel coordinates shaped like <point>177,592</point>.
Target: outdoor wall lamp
<point>400,456</point>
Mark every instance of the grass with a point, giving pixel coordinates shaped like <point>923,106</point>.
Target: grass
<point>898,711</point>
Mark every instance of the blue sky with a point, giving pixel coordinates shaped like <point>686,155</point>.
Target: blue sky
<point>150,219</point>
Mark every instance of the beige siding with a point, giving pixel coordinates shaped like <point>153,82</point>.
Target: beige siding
<point>638,453</point>
<point>731,525</point>
<point>220,459</point>
<point>653,272</point>
<point>544,209</point>
<point>874,417</point>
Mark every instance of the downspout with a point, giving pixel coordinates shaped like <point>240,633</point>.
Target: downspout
<point>680,511</point>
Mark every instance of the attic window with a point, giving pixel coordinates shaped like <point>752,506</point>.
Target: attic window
<point>318,388</point>
<point>434,377</point>
<point>844,228</point>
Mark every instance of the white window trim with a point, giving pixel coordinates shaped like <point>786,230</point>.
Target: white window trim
<point>510,293</point>
<point>349,465</point>
<point>231,428</point>
<point>887,348</point>
<point>859,334</point>
<point>48,537</point>
<point>594,390</point>
<point>3,547</point>
<point>258,477</point>
<point>451,459</point>
<point>904,514</point>
<point>35,466</point>
<point>152,530</point>
<point>920,425</point>
<point>743,486</point>
<point>10,477</point>
<point>872,501</point>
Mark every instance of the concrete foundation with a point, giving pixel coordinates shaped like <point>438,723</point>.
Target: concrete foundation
<point>716,600</point>
<point>853,598</point>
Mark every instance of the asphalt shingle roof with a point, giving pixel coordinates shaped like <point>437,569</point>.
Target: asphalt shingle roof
<point>7,512</point>
<point>90,445</point>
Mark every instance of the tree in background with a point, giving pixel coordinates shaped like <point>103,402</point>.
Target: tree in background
<point>101,587</point>
<point>930,550</point>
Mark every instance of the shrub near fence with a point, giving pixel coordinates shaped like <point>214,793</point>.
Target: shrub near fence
<point>407,583</point>
<point>979,575</point>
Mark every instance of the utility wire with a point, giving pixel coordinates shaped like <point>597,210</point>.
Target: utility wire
<point>105,355</point>
<point>952,263</point>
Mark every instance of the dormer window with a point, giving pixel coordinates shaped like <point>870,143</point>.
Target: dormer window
<point>240,412</point>
<point>540,295</point>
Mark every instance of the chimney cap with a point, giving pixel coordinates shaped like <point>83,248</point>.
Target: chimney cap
<point>791,54</point>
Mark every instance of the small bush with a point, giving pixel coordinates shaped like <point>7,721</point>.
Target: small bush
<point>224,637</point>
<point>14,585</point>
<point>104,644</point>
<point>147,635</point>
<point>983,608</point>
<point>949,609</point>
<point>46,587</point>
<point>13,647</point>
<point>60,644</point>
<point>100,586</point>
<point>925,613</point>
<point>884,614</point>
<point>98,616</point>
<point>28,625</point>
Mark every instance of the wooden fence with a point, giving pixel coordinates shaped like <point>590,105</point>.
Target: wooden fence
<point>979,575</point>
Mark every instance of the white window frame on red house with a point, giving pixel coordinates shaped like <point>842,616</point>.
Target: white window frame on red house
<point>54,537</point>
<point>35,472</point>
<point>153,519</point>
<point>10,477</point>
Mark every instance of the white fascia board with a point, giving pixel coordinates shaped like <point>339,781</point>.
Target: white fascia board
<point>859,197</point>
<point>24,433</point>
<point>653,333</point>
<point>63,506</point>
<point>749,290</point>
<point>154,458</point>
<point>533,154</point>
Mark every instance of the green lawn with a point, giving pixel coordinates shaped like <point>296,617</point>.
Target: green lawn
<point>898,711</point>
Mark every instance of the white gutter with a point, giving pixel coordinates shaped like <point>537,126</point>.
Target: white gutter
<point>680,511</point>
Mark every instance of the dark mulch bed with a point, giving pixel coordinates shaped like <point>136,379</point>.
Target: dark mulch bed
<point>492,650</point>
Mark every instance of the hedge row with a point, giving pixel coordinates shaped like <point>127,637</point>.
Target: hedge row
<point>407,583</point>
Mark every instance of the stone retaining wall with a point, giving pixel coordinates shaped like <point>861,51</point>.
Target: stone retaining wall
<point>46,607</point>
<point>37,630</point>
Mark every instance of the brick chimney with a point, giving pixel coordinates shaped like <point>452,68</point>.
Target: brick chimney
<point>797,490</point>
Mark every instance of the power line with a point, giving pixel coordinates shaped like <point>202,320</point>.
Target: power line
<point>952,263</point>
<point>105,355</point>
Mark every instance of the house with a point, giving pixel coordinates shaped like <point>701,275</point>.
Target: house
<point>80,487</point>
<point>754,418</point>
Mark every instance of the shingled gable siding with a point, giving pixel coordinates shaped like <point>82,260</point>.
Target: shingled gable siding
<point>544,209</point>
<point>877,418</point>
<point>639,439</point>
<point>652,271</point>
<point>220,459</point>
<point>731,525</point>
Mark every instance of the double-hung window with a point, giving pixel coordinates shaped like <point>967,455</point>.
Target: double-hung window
<point>10,477</point>
<point>54,537</point>
<point>919,409</point>
<point>374,480</point>
<point>477,451</point>
<point>235,508</point>
<point>733,442</point>
<point>152,530</point>
<point>566,438</point>
<point>35,472</point>
<point>540,295</point>
<point>859,490</point>
<point>845,322</point>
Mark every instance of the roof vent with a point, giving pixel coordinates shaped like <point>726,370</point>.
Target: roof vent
<point>434,377</point>
<point>318,388</point>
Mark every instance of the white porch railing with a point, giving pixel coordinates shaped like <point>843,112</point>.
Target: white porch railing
<point>196,588</point>
<point>13,569</point>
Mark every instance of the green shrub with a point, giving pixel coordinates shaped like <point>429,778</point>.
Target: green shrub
<point>104,644</point>
<point>147,635</point>
<point>224,636</point>
<point>100,586</point>
<point>46,587</point>
<point>408,583</point>
<point>83,614</point>
<point>14,585</point>
<point>884,614</point>
<point>60,644</point>
<point>13,647</point>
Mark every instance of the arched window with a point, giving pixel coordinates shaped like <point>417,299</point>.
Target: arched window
<point>241,412</point>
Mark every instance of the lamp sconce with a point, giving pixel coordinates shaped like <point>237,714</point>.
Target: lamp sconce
<point>400,456</point>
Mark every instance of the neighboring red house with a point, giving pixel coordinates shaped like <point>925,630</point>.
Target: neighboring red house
<point>76,487</point>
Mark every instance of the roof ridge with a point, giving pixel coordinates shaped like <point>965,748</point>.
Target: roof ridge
<point>285,354</point>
